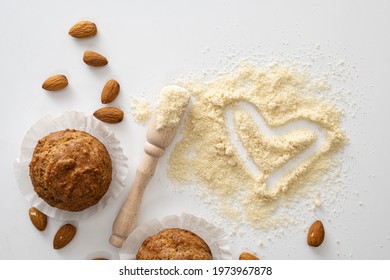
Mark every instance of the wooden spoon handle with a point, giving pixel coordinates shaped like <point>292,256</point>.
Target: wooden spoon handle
<point>157,142</point>
<point>127,217</point>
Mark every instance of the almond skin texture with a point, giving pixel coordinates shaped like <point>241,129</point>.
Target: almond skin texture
<point>38,219</point>
<point>83,29</point>
<point>56,82</point>
<point>63,236</point>
<point>316,234</point>
<point>109,115</point>
<point>247,256</point>
<point>110,91</point>
<point>94,59</point>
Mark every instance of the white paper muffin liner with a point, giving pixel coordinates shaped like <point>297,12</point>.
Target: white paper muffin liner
<point>78,121</point>
<point>215,237</point>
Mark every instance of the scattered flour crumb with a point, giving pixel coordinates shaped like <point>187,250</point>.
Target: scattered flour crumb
<point>317,202</point>
<point>140,109</point>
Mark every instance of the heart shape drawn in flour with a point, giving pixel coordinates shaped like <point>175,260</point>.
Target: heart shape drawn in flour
<point>279,157</point>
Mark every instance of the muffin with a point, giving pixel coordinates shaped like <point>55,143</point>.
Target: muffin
<point>174,244</point>
<point>70,170</point>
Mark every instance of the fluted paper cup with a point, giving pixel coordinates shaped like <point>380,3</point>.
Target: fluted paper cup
<point>215,237</point>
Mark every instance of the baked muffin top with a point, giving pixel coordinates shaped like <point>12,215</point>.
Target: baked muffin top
<point>70,170</point>
<point>174,244</point>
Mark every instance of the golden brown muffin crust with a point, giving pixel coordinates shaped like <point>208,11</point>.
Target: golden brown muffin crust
<point>70,170</point>
<point>174,244</point>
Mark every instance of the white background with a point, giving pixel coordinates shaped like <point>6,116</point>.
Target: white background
<point>149,44</point>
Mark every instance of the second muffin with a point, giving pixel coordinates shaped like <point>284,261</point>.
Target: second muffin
<point>174,244</point>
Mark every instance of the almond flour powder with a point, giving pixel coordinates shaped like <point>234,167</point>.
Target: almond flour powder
<point>207,157</point>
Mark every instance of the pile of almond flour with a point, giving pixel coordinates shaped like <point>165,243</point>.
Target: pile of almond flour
<point>207,157</point>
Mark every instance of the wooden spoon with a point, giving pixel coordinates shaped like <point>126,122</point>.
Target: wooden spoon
<point>157,141</point>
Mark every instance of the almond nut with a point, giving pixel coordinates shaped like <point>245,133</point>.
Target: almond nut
<point>109,115</point>
<point>316,234</point>
<point>38,219</point>
<point>110,91</point>
<point>63,236</point>
<point>56,82</point>
<point>247,256</point>
<point>94,59</point>
<point>83,29</point>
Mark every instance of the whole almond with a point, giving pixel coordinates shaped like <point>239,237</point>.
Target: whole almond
<point>109,115</point>
<point>63,236</point>
<point>316,234</point>
<point>38,219</point>
<point>110,91</point>
<point>94,59</point>
<point>56,82</point>
<point>247,256</point>
<point>83,29</point>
